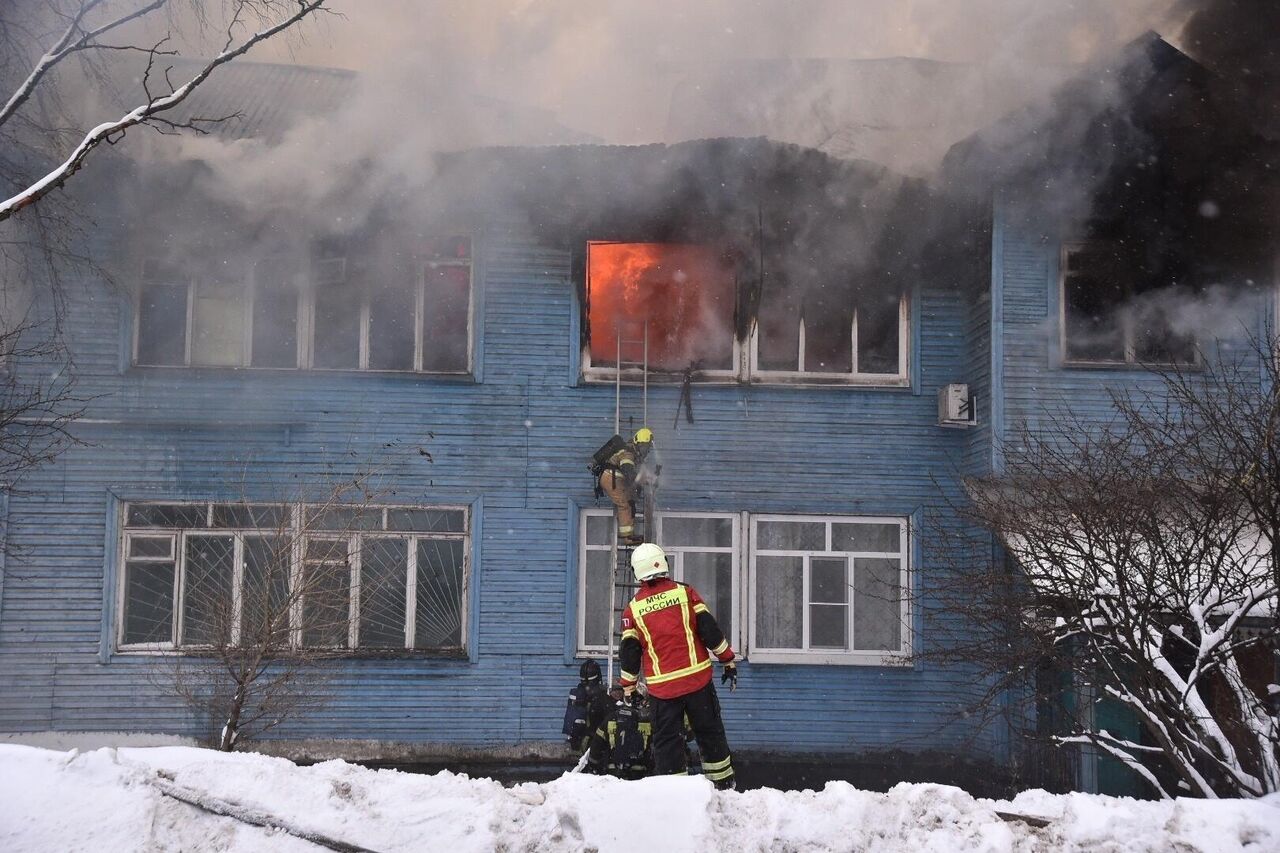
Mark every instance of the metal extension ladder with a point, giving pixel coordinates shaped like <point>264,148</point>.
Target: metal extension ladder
<point>622,585</point>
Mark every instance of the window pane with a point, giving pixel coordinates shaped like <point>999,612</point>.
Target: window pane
<point>792,535</point>
<point>275,326</point>
<point>162,324</point>
<point>778,346</point>
<point>877,622</point>
<point>441,249</point>
<point>879,324</point>
<point>166,515</point>
<point>711,532</point>
<point>206,590</point>
<point>866,537</point>
<point>1093,294</point>
<point>391,329</point>
<point>148,602</point>
<point>325,592</point>
<point>600,530</point>
<point>598,617</point>
<point>151,546</point>
<point>343,519</point>
<point>217,324</point>
<point>427,520</point>
<point>828,626</point>
<point>712,576</point>
<point>337,327</point>
<point>264,619</point>
<point>251,516</point>
<point>383,573</point>
<point>440,594</point>
<point>779,605</point>
<point>446,306</point>
<point>828,582</point>
<point>828,341</point>
<point>686,292</point>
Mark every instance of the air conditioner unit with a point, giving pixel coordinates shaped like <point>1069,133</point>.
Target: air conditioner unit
<point>956,406</point>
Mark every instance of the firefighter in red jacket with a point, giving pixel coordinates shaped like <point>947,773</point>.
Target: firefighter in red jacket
<point>668,629</point>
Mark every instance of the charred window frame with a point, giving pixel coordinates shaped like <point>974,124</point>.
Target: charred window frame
<point>878,346</point>
<point>292,311</point>
<point>1098,314</point>
<point>629,338</point>
<point>404,578</point>
<point>704,549</point>
<point>829,590</point>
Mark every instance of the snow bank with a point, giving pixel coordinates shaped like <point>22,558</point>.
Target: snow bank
<point>110,799</point>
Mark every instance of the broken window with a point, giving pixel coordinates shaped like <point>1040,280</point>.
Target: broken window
<point>828,589</point>
<point>275,312</point>
<point>1111,317</point>
<point>682,297</point>
<point>362,577</point>
<point>162,315</point>
<point>813,336</point>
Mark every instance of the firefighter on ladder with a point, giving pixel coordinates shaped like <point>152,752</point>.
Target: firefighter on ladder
<point>617,469</point>
<point>668,629</point>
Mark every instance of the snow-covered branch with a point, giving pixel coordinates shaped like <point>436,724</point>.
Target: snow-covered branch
<point>145,113</point>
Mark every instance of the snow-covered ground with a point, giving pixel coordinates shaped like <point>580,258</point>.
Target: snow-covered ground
<point>114,800</point>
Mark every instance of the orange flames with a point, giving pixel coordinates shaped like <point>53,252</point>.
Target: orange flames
<point>686,292</point>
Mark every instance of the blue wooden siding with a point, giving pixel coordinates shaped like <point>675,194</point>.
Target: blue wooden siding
<point>515,444</point>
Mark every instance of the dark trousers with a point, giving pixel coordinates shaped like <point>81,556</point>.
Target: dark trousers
<point>703,710</point>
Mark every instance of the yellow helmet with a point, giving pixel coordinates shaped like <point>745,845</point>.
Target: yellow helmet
<point>644,435</point>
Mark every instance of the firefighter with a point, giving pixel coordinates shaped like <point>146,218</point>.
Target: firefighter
<point>617,469</point>
<point>588,704</point>
<point>668,629</point>
<point>621,745</point>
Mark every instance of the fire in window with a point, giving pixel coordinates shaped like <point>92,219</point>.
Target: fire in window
<point>685,293</point>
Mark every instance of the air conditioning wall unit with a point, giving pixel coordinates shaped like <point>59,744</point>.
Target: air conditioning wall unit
<point>957,407</point>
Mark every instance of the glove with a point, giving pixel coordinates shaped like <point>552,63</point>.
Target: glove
<point>730,675</point>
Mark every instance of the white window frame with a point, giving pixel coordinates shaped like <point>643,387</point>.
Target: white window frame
<point>1127,331</point>
<point>899,657</point>
<point>178,537</point>
<point>306,316</point>
<point>802,376</point>
<point>675,556</point>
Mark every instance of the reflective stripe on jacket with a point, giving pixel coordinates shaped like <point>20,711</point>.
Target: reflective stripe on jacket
<point>663,619</point>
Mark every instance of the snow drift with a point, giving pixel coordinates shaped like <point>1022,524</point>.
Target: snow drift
<point>115,799</point>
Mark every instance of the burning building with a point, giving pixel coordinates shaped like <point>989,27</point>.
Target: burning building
<point>454,351</point>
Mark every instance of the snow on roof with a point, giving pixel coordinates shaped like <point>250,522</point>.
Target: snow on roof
<point>112,799</point>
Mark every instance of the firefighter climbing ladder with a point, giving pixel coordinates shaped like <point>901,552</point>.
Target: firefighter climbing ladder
<point>622,584</point>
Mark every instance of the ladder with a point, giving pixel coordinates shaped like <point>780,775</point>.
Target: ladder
<point>622,585</point>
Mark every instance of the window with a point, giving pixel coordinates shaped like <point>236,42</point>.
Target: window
<point>675,306</point>
<point>865,344</point>
<point>672,303</point>
<point>702,550</point>
<point>1107,318</point>
<point>340,308</point>
<point>363,579</point>
<point>828,589</point>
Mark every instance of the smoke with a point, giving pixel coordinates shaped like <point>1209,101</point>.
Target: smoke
<point>441,90</point>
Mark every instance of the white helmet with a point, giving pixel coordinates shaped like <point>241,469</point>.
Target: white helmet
<point>648,561</point>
